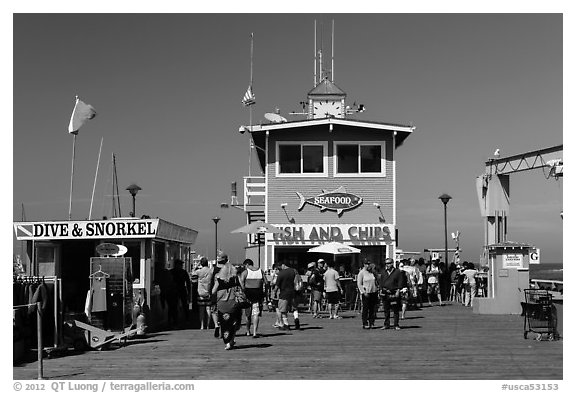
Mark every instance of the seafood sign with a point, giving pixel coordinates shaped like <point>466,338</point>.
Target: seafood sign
<point>337,200</point>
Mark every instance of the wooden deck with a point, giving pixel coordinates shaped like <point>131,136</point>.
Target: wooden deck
<point>436,343</point>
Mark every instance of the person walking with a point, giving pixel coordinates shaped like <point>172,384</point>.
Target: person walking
<point>368,288</point>
<point>183,285</point>
<point>316,283</point>
<point>229,314</point>
<point>333,290</point>
<point>392,281</point>
<point>285,284</point>
<point>205,281</point>
<point>254,281</point>
<point>433,274</point>
<point>469,274</point>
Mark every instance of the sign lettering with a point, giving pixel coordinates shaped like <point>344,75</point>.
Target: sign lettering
<point>86,229</point>
<point>306,234</point>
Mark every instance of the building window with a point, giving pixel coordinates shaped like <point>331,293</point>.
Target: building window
<point>302,158</point>
<point>360,159</point>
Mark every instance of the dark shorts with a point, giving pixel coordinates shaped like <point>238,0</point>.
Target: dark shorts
<point>204,301</point>
<point>316,295</point>
<point>284,305</point>
<point>333,297</point>
<point>433,288</point>
<point>254,295</point>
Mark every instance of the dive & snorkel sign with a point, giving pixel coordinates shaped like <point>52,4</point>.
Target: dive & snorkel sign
<point>103,229</point>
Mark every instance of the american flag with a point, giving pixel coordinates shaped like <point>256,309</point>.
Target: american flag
<point>249,97</point>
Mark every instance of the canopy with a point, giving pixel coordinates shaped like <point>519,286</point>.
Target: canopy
<point>335,248</point>
<point>258,227</point>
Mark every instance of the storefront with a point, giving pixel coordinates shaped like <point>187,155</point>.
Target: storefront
<point>66,252</point>
<point>327,178</point>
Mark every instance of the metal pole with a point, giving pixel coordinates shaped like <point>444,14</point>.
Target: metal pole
<point>445,238</point>
<point>216,242</point>
<point>39,341</point>
<point>133,205</point>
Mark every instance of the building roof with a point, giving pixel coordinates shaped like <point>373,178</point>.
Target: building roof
<point>258,132</point>
<point>326,87</point>
<point>510,244</point>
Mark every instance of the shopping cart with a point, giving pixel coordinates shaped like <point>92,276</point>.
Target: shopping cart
<point>539,314</point>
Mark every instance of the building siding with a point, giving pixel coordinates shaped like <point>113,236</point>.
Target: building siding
<point>370,189</point>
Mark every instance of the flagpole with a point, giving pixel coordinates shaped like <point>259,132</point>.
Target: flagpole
<point>250,107</point>
<point>72,177</point>
<point>95,177</point>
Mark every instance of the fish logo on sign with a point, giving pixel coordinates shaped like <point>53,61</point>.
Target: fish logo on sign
<point>337,200</point>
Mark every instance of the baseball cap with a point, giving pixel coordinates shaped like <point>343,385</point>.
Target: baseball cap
<point>312,264</point>
<point>320,260</point>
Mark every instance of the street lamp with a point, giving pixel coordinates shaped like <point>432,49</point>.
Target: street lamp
<point>133,188</point>
<point>216,219</point>
<point>445,198</point>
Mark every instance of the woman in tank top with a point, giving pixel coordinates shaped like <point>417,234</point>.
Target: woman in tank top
<point>254,281</point>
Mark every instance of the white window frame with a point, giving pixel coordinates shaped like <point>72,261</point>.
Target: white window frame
<point>303,143</point>
<point>382,172</point>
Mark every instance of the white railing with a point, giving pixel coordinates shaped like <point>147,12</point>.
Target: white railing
<point>254,186</point>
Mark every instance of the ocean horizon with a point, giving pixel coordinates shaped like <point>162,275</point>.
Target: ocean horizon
<point>547,271</point>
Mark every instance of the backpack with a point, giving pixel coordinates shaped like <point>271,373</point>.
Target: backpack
<point>297,282</point>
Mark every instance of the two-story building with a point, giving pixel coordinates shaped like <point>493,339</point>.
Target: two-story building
<point>329,177</point>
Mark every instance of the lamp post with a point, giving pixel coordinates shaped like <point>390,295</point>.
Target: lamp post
<point>216,219</point>
<point>445,198</point>
<point>133,188</point>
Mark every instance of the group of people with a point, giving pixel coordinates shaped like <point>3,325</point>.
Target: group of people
<point>218,289</point>
<point>395,286</point>
<point>407,284</point>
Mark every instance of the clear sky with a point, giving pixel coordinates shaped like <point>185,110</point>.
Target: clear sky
<point>167,89</point>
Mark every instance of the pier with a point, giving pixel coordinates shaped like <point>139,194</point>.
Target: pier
<point>435,343</point>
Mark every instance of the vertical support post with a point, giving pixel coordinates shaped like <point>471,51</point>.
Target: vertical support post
<point>39,341</point>
<point>445,236</point>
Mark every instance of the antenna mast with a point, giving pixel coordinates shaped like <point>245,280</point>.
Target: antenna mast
<point>315,41</point>
<point>332,50</point>
<point>320,53</point>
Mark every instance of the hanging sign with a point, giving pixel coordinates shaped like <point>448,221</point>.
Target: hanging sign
<point>106,249</point>
<point>535,256</point>
<point>337,200</point>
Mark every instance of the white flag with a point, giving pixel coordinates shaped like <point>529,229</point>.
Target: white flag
<point>81,113</point>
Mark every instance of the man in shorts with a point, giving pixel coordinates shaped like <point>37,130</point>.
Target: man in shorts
<point>333,290</point>
<point>285,285</point>
<point>253,280</point>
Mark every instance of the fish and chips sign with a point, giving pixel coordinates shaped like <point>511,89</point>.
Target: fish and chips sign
<point>104,229</point>
<point>337,200</point>
<point>314,233</point>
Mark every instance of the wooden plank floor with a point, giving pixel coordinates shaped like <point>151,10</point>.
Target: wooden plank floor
<point>436,343</point>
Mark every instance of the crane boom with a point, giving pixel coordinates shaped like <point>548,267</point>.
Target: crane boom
<point>525,161</point>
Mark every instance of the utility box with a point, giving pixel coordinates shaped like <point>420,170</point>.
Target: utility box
<point>508,277</point>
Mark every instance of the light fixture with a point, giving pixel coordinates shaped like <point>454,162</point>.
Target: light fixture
<point>216,219</point>
<point>445,198</point>
<point>381,218</point>
<point>290,220</point>
<point>133,188</point>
